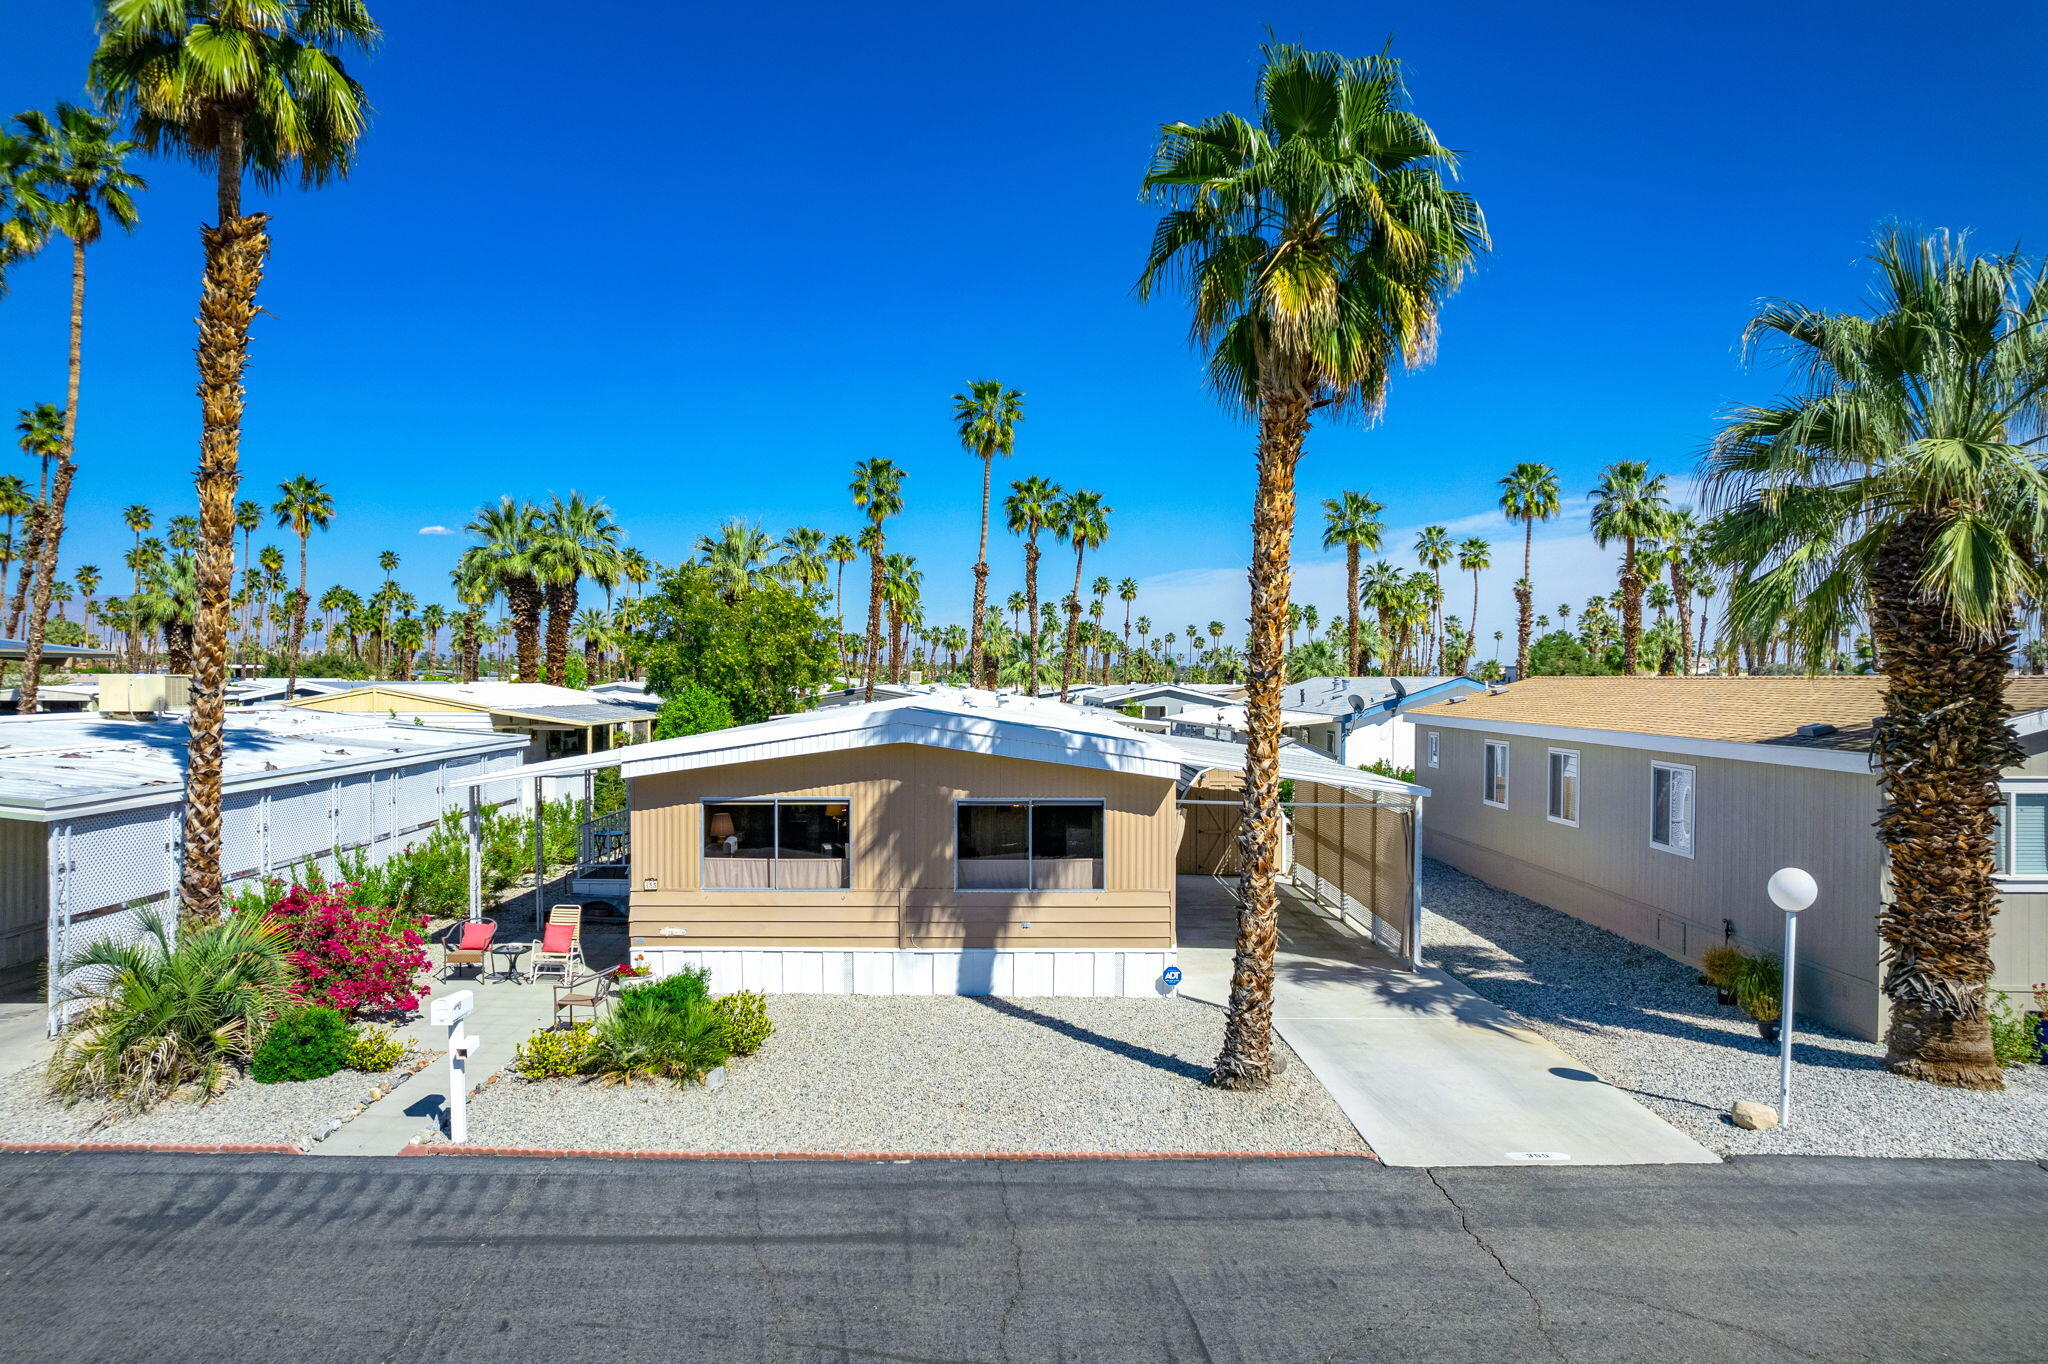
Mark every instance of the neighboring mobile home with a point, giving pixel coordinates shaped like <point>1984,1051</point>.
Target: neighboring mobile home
<point>1657,807</point>
<point>957,842</point>
<point>1365,719</point>
<point>557,721</point>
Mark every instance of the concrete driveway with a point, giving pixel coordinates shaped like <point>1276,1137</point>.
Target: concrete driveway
<point>1429,1072</point>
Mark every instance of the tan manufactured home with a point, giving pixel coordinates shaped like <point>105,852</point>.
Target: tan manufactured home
<point>1657,808</point>
<point>962,843</point>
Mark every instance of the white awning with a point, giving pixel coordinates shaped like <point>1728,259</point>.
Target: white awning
<point>1297,763</point>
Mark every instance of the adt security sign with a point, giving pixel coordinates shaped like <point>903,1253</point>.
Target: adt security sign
<point>1171,975</point>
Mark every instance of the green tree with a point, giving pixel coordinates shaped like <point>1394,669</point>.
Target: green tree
<point>692,710</point>
<point>247,89</point>
<point>1528,494</point>
<point>1433,549</point>
<point>71,180</point>
<point>1032,506</point>
<point>766,654</point>
<point>1903,478</point>
<point>987,415</point>
<point>1630,506</point>
<point>303,506</point>
<point>1351,520</point>
<point>877,489</point>
<point>1475,556</point>
<point>1315,243</point>
<point>1081,520</point>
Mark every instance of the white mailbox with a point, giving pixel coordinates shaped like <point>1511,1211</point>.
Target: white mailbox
<point>449,1010</point>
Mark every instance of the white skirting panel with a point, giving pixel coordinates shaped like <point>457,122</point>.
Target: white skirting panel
<point>1131,973</point>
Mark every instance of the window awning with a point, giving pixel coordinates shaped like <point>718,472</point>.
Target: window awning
<point>1297,763</point>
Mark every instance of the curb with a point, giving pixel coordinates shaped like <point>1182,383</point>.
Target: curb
<point>251,1148</point>
<point>548,1152</point>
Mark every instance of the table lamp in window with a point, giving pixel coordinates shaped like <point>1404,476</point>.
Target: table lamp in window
<point>722,832</point>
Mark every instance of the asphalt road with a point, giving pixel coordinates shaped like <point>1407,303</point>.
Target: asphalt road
<point>121,1257</point>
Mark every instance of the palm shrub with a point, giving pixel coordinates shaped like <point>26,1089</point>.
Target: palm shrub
<point>163,1015</point>
<point>303,1044</point>
<point>658,1041</point>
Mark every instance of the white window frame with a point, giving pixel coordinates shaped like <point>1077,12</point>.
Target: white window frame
<point>1506,769</point>
<point>704,840</point>
<point>1028,801</point>
<point>1692,824</point>
<point>1432,747</point>
<point>2007,880</point>
<point>1550,787</point>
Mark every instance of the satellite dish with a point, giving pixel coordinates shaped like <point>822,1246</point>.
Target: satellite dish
<point>1357,702</point>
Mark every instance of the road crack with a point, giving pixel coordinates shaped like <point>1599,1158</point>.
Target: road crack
<point>1016,1263</point>
<point>1535,1303</point>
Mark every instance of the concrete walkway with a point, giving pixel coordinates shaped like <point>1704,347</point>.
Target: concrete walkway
<point>1429,1072</point>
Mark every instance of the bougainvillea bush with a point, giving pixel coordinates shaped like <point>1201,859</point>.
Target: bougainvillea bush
<point>359,959</point>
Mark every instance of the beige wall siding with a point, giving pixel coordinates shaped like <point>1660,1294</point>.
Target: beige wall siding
<point>1750,819</point>
<point>375,700</point>
<point>24,892</point>
<point>900,891</point>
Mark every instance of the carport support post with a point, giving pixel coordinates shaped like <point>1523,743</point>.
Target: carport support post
<point>473,828</point>
<point>1415,891</point>
<point>540,852</point>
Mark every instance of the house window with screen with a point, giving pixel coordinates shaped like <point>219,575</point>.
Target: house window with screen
<point>1564,786</point>
<point>2023,833</point>
<point>775,844</point>
<point>1671,814</point>
<point>1028,845</point>
<point>1495,790</point>
<point>1432,748</point>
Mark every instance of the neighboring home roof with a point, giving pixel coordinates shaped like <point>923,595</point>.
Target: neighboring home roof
<point>1030,728</point>
<point>1231,715</point>
<point>1759,712</point>
<point>14,650</point>
<point>1130,693</point>
<point>250,689</point>
<point>527,700</point>
<point>1332,695</point>
<point>62,766</point>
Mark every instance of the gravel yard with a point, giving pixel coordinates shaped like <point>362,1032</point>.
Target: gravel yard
<point>865,1073</point>
<point>247,1112</point>
<point>1644,1023</point>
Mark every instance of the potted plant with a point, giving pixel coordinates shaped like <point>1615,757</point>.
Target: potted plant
<point>633,970</point>
<point>1756,992</point>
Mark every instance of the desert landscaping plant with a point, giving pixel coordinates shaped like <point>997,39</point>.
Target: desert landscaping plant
<point>554,1053</point>
<point>357,959</point>
<point>375,1050</point>
<point>744,1016</point>
<point>303,1044</point>
<point>162,1016</point>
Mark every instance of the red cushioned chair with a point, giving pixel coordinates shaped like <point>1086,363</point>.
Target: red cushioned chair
<point>467,944</point>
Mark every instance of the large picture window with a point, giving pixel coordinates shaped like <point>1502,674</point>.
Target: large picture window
<point>1028,845</point>
<point>775,844</point>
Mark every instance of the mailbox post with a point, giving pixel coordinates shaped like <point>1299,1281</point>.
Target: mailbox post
<point>448,1011</point>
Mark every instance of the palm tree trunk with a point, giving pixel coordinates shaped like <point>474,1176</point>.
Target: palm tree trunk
<point>31,555</point>
<point>874,636</point>
<point>976,645</point>
<point>1246,1059</point>
<point>298,629</point>
<point>523,597</point>
<point>1471,627</point>
<point>235,255</point>
<point>46,571</point>
<point>1681,588</point>
<point>1031,600</point>
<point>1525,594</point>
<point>1352,665</point>
<point>1631,610</point>
<point>839,610</point>
<point>1940,748</point>
<point>561,598</point>
<point>1073,627</point>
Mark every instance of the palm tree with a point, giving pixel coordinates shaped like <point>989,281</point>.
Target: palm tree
<point>1679,543</point>
<point>1352,520</point>
<point>987,415</point>
<point>840,552</point>
<point>902,585</point>
<point>803,557</point>
<point>1475,556</point>
<point>877,489</point>
<point>505,559</point>
<point>1433,549</point>
<point>303,506</point>
<point>1032,506</point>
<point>87,576</point>
<point>1528,494</point>
<point>1316,244</point>
<point>248,516</point>
<point>1127,593</point>
<point>577,540</point>
<point>71,178</point>
<point>249,89</point>
<point>594,628</point>
<point>1629,506</point>
<point>1902,479</point>
<point>41,437</point>
<point>735,557</point>
<point>434,618</point>
<point>1081,519</point>
<point>14,501</point>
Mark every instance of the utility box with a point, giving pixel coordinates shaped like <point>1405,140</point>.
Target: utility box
<point>144,693</point>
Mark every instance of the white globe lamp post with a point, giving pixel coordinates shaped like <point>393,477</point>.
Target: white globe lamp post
<point>1791,890</point>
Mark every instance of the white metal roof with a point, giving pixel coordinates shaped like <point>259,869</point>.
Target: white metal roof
<point>62,766</point>
<point>1034,729</point>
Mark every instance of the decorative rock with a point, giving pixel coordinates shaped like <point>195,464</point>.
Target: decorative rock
<point>715,1078</point>
<point>1753,1116</point>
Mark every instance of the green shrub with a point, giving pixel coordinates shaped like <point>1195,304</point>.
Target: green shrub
<point>1384,768</point>
<point>554,1053</point>
<point>658,1043</point>
<point>744,1016</point>
<point>691,985</point>
<point>1756,986</point>
<point>304,1044</point>
<point>374,1051</point>
<point>160,1016</point>
<point>1721,963</point>
<point>2013,1039</point>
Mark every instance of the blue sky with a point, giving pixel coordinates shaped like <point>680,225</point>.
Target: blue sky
<point>698,260</point>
